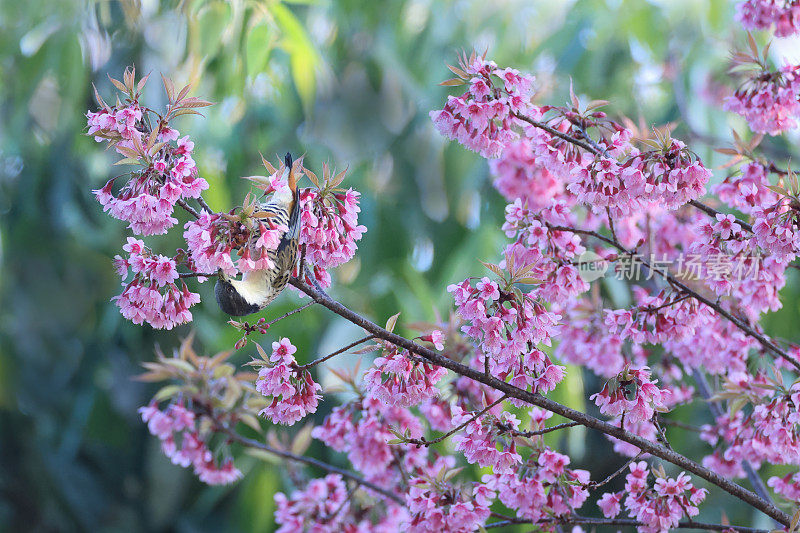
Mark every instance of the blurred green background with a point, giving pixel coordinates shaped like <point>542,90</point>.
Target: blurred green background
<point>349,82</point>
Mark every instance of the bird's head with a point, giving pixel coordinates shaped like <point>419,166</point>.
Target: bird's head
<point>231,299</point>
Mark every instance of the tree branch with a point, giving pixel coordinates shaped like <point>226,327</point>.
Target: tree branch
<point>647,446</point>
<point>203,204</point>
<point>191,210</point>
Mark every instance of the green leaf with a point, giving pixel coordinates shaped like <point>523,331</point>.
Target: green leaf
<point>264,456</point>
<point>303,58</point>
<point>391,322</point>
<point>260,40</point>
<point>212,21</point>
<point>167,392</point>
<point>128,161</point>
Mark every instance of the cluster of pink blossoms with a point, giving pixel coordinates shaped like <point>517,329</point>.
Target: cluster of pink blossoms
<point>586,341</point>
<point>518,175</point>
<point>670,177</point>
<point>325,506</point>
<point>718,347</point>
<point>147,200</point>
<point>433,509</point>
<point>362,430</point>
<point>730,261</point>
<point>152,296</point>
<point>549,255</point>
<point>769,101</point>
<point>504,329</point>
<point>762,14</point>
<point>488,440</point>
<point>482,118</point>
<point>658,318</point>
<point>293,391</point>
<point>747,189</point>
<point>396,379</point>
<point>777,229</point>
<point>178,425</point>
<point>329,229</point>
<point>632,393</point>
<point>770,433</point>
<point>543,488</point>
<point>659,507</point>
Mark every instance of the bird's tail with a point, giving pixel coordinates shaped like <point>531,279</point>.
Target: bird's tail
<point>292,174</point>
<point>294,212</point>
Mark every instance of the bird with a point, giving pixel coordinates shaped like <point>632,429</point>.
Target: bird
<point>258,288</point>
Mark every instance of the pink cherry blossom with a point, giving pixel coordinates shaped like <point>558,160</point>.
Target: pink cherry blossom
<point>293,391</point>
<point>406,382</point>
<point>769,101</point>
<point>152,295</point>
<point>763,14</point>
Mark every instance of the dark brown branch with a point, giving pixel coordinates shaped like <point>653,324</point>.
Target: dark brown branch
<point>552,131</point>
<point>251,443</point>
<point>710,211</point>
<point>645,445</point>
<point>188,208</point>
<point>203,204</point>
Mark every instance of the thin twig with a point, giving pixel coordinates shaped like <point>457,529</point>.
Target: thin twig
<point>669,303</point>
<point>424,442</point>
<point>611,224</point>
<point>203,204</point>
<point>595,484</point>
<point>645,445</point>
<point>334,354</point>
<point>662,436</point>
<point>288,314</point>
<point>517,433</point>
<point>682,425</point>
<point>188,208</point>
<point>194,275</point>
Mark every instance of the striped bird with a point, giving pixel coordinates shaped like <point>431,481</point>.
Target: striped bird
<point>259,288</point>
